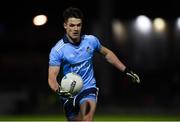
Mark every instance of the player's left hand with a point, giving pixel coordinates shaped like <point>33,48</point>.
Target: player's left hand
<point>133,76</point>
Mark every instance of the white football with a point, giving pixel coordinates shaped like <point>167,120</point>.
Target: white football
<point>72,83</point>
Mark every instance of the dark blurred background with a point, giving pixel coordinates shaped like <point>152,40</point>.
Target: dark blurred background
<point>24,53</point>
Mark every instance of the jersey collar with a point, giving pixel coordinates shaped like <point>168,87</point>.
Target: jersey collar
<point>66,40</point>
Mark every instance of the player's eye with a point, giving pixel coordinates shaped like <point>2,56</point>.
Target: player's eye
<point>78,25</point>
<point>71,25</point>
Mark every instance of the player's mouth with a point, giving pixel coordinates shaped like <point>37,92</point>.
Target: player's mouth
<point>76,34</point>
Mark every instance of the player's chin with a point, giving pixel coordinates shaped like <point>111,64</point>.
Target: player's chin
<point>75,37</point>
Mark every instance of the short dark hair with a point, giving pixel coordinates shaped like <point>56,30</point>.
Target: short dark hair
<point>72,12</point>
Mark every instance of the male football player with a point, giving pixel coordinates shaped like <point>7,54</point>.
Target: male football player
<point>74,53</point>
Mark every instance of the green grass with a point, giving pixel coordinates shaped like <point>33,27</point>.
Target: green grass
<point>136,118</point>
<point>97,118</point>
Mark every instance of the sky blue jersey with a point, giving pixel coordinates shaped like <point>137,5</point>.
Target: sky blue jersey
<point>76,58</point>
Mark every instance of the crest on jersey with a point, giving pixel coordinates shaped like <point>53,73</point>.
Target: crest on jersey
<point>88,49</point>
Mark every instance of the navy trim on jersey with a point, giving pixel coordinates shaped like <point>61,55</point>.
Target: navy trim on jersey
<point>66,40</point>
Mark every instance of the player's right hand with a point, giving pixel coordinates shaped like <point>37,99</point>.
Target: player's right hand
<point>63,93</point>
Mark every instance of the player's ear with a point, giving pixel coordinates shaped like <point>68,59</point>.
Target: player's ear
<point>65,25</point>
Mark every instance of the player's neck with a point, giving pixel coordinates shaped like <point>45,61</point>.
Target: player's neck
<point>73,40</point>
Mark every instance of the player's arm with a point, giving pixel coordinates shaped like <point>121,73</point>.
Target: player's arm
<point>113,59</point>
<point>52,81</point>
<point>52,75</point>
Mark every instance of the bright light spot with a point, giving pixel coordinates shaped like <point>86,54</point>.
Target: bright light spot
<point>40,20</point>
<point>143,24</point>
<point>159,24</point>
<point>178,23</point>
<point>118,30</point>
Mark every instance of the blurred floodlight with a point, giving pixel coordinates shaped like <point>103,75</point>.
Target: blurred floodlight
<point>178,23</point>
<point>118,30</point>
<point>143,24</point>
<point>159,24</point>
<point>39,20</point>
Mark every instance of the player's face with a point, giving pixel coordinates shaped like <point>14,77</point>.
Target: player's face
<point>73,28</point>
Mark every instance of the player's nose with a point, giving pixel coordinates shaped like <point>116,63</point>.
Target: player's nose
<point>76,28</point>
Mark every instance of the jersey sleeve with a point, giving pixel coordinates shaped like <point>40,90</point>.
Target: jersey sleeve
<point>96,43</point>
<point>55,57</point>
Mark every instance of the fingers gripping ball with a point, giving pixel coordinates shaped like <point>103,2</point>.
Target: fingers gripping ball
<point>71,83</point>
